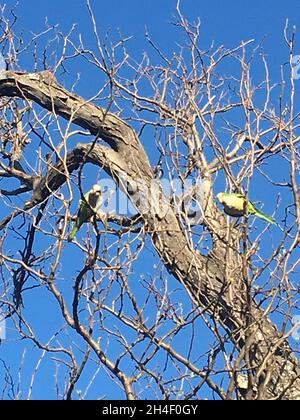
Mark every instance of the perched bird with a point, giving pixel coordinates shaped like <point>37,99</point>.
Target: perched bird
<point>87,208</point>
<point>236,205</point>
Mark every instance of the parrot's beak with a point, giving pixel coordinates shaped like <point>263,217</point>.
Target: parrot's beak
<point>219,197</point>
<point>97,190</point>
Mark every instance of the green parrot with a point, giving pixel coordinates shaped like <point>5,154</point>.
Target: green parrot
<point>234,205</point>
<point>87,208</point>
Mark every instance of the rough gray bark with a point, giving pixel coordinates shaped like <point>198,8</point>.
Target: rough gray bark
<point>272,362</point>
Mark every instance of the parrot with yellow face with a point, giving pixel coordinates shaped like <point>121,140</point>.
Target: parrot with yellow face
<point>87,208</point>
<point>237,205</point>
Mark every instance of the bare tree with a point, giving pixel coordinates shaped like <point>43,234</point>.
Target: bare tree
<point>222,329</point>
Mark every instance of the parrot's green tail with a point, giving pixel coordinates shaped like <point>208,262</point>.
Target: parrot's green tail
<point>73,233</point>
<point>265,217</point>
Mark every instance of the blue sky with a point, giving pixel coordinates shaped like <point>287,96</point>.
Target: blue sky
<point>224,23</point>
